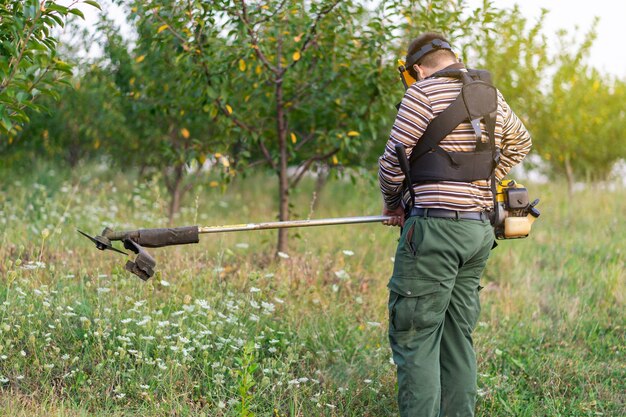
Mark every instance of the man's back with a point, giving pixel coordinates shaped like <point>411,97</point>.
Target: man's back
<point>422,102</point>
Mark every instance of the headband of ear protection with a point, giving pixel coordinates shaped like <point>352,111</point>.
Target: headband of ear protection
<point>433,45</point>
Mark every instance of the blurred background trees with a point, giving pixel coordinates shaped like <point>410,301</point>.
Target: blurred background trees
<point>230,88</point>
<point>30,67</point>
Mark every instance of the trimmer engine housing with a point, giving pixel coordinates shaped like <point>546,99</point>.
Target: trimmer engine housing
<point>514,215</point>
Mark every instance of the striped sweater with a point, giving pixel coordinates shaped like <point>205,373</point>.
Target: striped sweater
<point>422,102</point>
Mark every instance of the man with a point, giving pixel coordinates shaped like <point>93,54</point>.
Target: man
<point>445,240</point>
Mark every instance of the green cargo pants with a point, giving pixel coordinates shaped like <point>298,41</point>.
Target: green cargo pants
<point>433,309</point>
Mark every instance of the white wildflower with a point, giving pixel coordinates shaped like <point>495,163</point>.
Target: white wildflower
<point>145,321</point>
<point>283,255</point>
<point>203,304</point>
<point>348,252</point>
<point>102,290</point>
<point>341,274</point>
<point>254,289</point>
<point>278,300</point>
<point>268,307</point>
<point>165,283</point>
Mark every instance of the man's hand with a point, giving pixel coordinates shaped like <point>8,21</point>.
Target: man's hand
<point>397,216</point>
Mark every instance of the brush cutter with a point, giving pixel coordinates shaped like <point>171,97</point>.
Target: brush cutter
<point>137,240</point>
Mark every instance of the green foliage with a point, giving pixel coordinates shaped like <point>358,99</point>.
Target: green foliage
<point>515,53</point>
<point>29,64</point>
<point>85,121</point>
<point>163,100</point>
<point>582,125</point>
<point>574,112</point>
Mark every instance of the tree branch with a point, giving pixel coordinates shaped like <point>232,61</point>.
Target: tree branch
<point>243,16</point>
<point>267,155</point>
<point>308,40</point>
<point>304,167</point>
<point>266,18</point>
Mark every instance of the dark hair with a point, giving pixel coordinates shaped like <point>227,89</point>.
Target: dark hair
<point>431,59</point>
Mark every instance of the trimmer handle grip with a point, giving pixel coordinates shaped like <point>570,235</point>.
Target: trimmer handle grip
<point>156,238</point>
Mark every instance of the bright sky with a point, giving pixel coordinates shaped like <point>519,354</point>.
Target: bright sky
<point>608,54</point>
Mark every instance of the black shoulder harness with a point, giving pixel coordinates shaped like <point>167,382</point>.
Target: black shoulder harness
<point>477,100</point>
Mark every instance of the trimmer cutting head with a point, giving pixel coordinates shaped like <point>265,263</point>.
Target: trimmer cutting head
<point>102,242</point>
<point>144,264</point>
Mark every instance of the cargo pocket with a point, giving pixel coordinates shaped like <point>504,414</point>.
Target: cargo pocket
<point>407,254</point>
<point>415,304</point>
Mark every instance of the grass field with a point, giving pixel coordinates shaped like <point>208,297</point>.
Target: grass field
<point>224,329</point>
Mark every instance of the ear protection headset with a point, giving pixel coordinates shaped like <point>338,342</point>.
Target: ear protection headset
<point>434,45</point>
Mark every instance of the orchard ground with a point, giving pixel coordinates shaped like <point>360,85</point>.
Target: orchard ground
<point>226,329</point>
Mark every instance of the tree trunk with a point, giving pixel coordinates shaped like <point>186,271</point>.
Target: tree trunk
<point>322,178</point>
<point>569,172</point>
<point>283,178</point>
<point>176,191</point>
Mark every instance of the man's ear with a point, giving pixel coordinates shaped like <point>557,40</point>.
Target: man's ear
<point>420,72</point>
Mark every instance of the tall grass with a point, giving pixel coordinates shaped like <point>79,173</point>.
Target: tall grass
<point>225,329</point>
